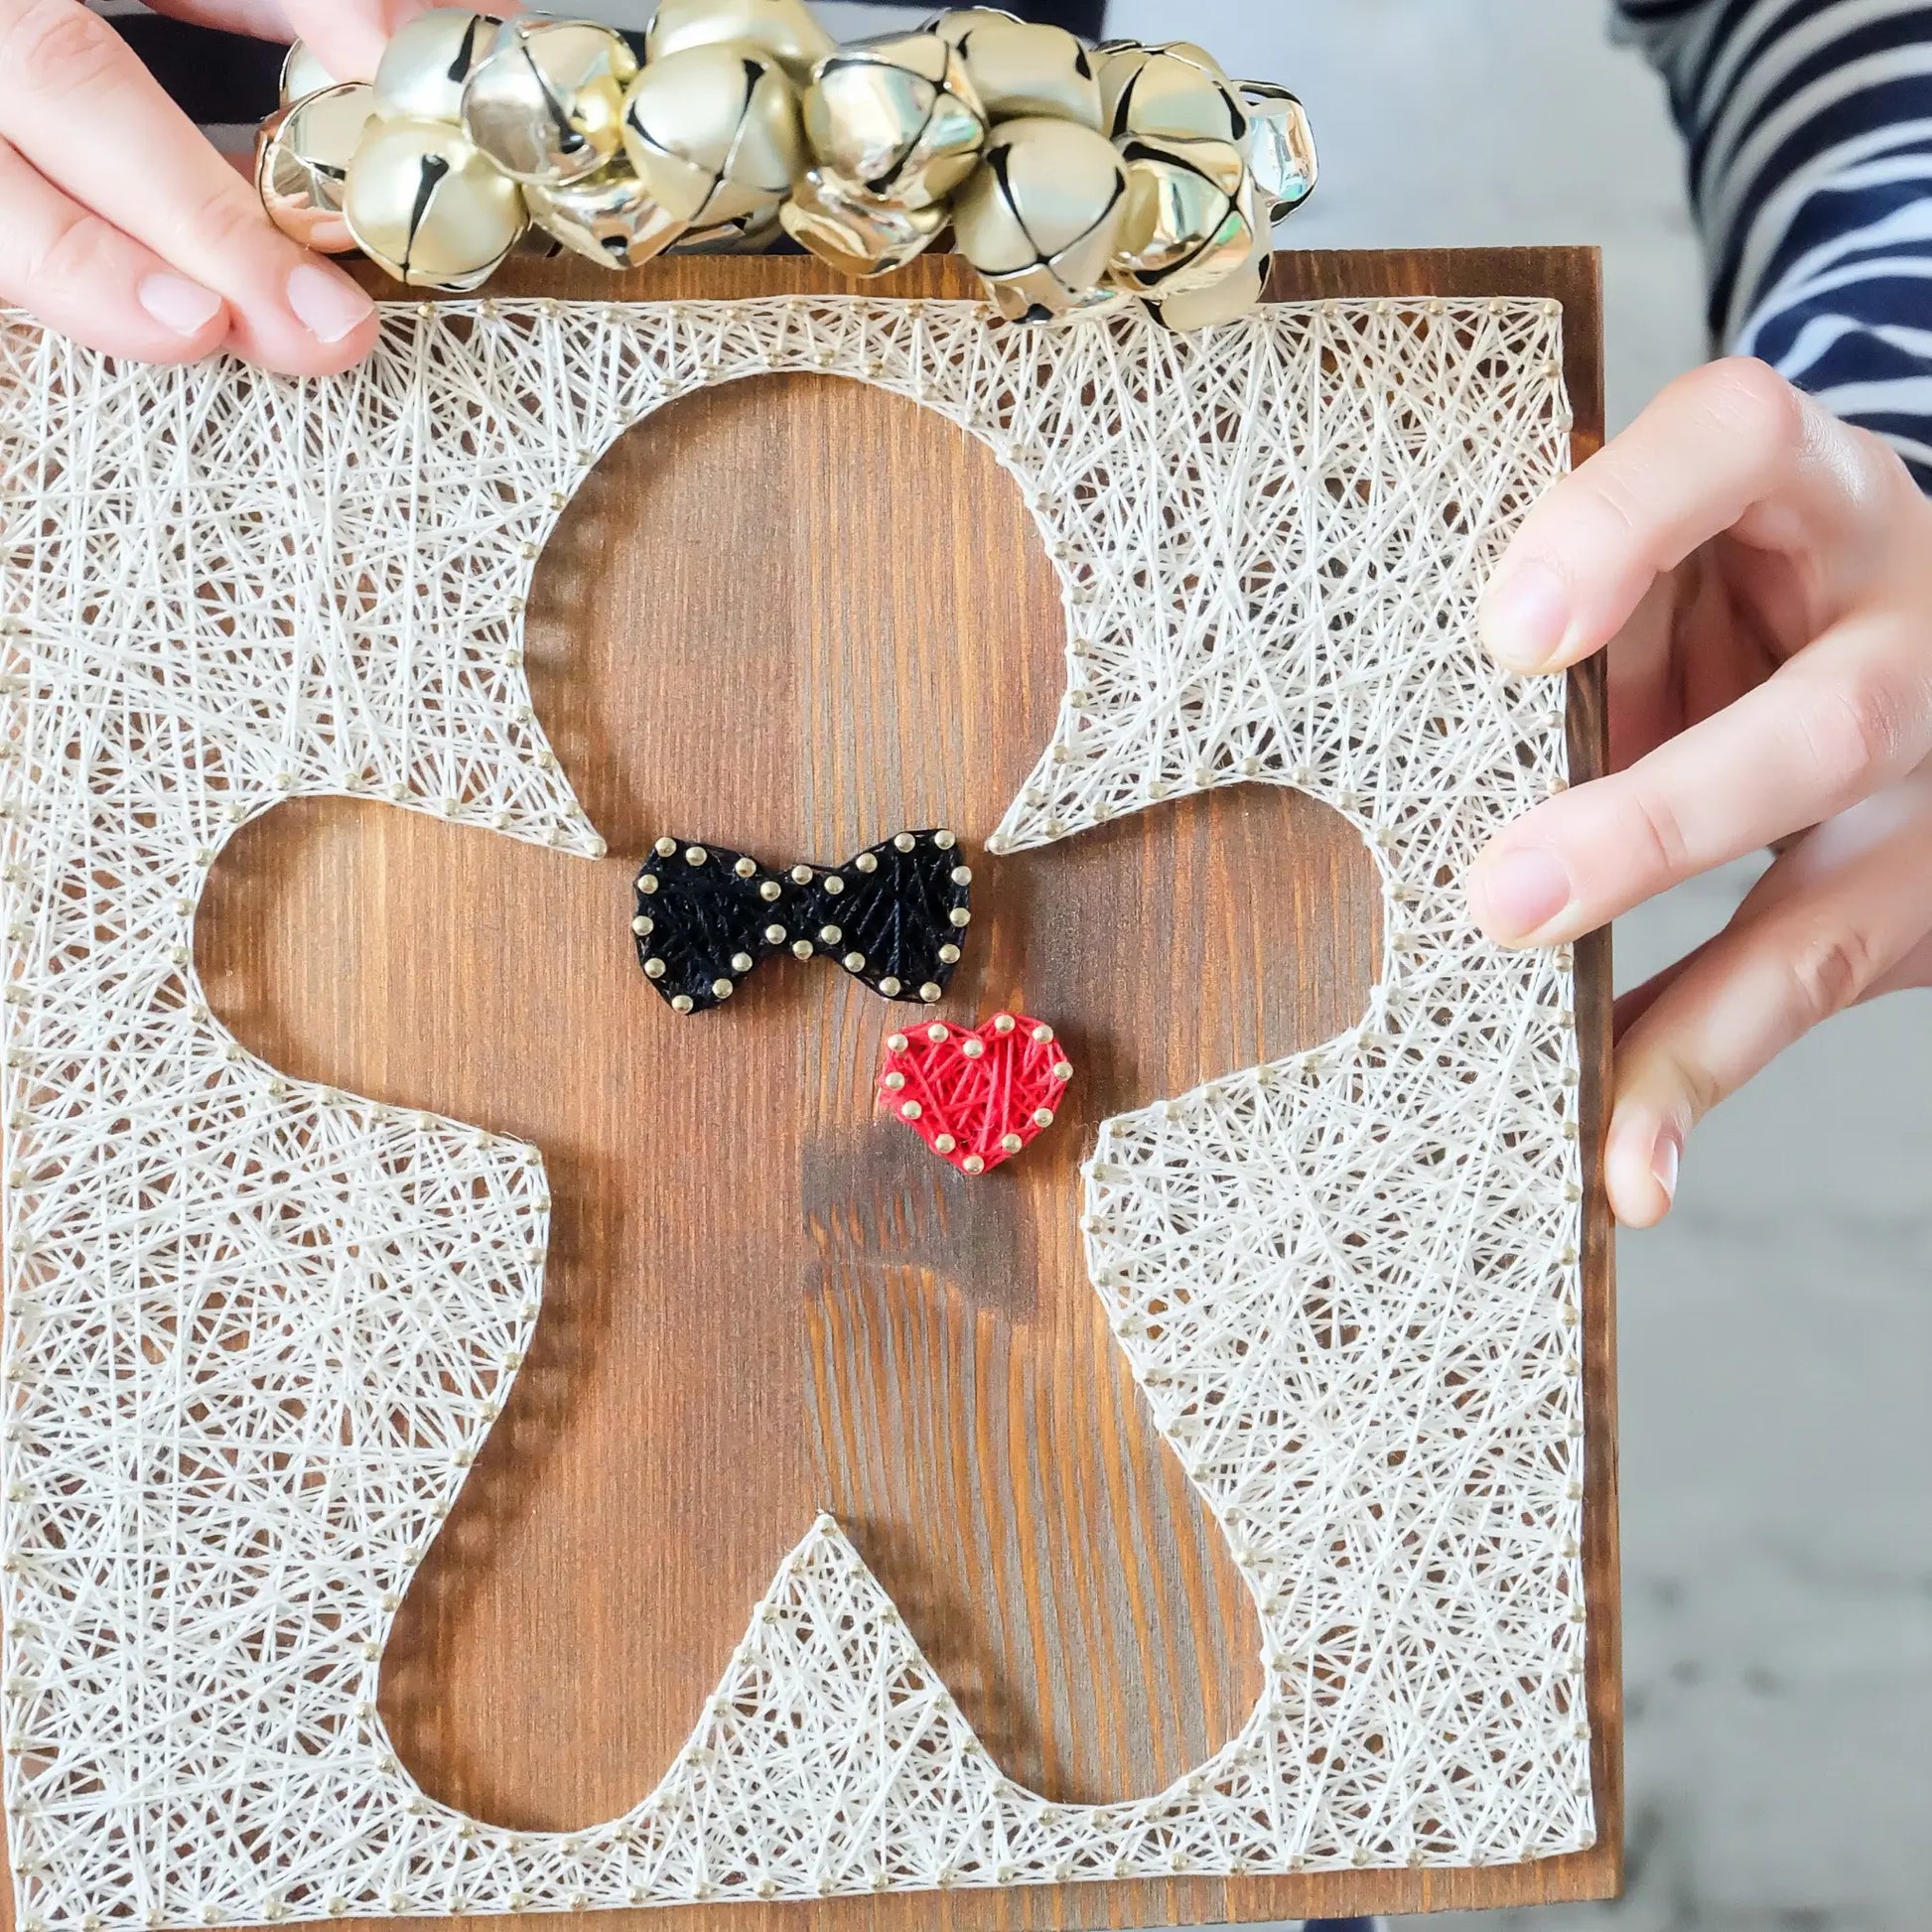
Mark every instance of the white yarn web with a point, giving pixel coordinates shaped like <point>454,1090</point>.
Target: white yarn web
<point>256,1331</point>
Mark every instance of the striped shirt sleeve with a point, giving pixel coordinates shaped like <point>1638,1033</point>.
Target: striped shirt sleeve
<point>1809,124</point>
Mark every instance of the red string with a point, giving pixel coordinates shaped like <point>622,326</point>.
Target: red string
<point>975,1095</point>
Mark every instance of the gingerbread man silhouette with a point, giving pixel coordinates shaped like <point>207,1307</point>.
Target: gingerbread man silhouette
<point>763,1299</point>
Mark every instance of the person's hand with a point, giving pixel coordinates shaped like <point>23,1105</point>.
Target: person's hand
<point>122,227</point>
<point>1762,577</point>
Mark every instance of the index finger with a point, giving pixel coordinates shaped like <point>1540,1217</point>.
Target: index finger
<point>1844,719</point>
<point>1730,447</point>
<point>67,71</point>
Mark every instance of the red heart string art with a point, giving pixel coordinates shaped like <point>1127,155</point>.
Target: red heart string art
<point>975,1095</point>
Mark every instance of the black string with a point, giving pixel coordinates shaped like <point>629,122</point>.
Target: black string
<point>706,916</point>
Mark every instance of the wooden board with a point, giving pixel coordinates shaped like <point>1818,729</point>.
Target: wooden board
<point>793,615</point>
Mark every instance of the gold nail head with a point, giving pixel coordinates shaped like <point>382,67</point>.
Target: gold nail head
<point>1012,1143</point>
<point>802,948</point>
<point>865,862</point>
<point>745,867</point>
<point>1043,1117</point>
<point>769,890</point>
<point>854,962</point>
<point>1002,1022</point>
<point>1044,1035</point>
<point>830,935</point>
<point>894,1081</point>
<point>1062,1071</point>
<point>695,855</point>
<point>962,874</point>
<point>648,883</point>
<point>740,962</point>
<point>911,1110</point>
<point>973,1164</point>
<point>722,989</point>
<point>665,847</point>
<point>930,992</point>
<point>944,1143</point>
<point>801,875</point>
<point>897,1044</point>
<point>948,955</point>
<point>936,1032</point>
<point>972,1048</point>
<point>944,841</point>
<point>960,916</point>
<point>890,986</point>
<point>904,841</point>
<point>774,936</point>
<point>640,925</point>
<point>834,885</point>
<point>682,1003</point>
<point>655,968</point>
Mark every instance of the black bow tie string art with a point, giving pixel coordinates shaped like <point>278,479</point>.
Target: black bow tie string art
<point>893,918</point>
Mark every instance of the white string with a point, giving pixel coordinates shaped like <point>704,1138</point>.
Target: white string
<point>257,1331</point>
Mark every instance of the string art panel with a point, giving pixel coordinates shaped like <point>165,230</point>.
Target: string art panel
<point>257,1329</point>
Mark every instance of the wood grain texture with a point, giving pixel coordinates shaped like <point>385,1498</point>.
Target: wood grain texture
<point>792,615</point>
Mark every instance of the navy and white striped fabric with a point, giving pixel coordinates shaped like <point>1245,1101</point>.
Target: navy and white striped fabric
<point>1810,132</point>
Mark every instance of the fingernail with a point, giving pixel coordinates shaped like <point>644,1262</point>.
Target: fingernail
<point>179,305</point>
<point>1521,891</point>
<point>328,305</point>
<point>1665,1159</point>
<point>1526,616</point>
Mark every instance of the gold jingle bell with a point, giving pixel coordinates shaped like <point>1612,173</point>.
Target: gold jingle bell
<point>302,157</point>
<point>1216,306</point>
<point>742,234</point>
<point>302,75</point>
<point>1194,51</point>
<point>1041,218</point>
<point>536,244</point>
<point>896,118</point>
<point>547,103</point>
<point>958,22</point>
<point>1017,67</point>
<point>1105,50</point>
<point>427,63</point>
<point>1185,227</point>
<point>608,216</point>
<point>784,29</point>
<point>1236,294</point>
<point>1176,91</point>
<point>855,233</point>
<point>423,204</point>
<point>713,132</point>
<point>1281,147</point>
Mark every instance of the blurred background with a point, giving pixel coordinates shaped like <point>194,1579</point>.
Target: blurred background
<point>1777,1334</point>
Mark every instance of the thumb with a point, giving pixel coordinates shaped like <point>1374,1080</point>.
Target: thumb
<point>347,36</point>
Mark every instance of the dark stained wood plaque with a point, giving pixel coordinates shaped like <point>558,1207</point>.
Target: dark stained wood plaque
<point>795,615</point>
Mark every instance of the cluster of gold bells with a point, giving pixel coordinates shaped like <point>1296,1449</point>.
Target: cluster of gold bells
<point>1073,180</point>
